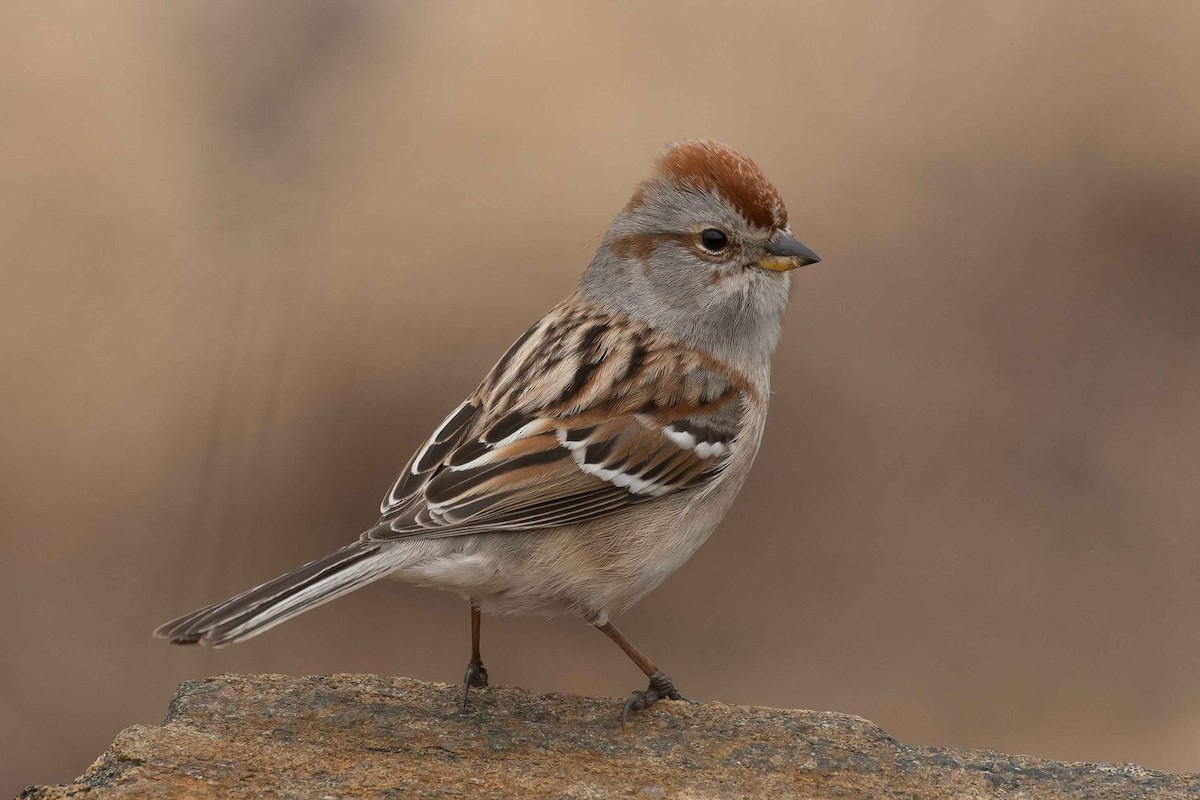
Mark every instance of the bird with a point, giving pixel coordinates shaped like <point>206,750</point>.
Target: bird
<point>605,445</point>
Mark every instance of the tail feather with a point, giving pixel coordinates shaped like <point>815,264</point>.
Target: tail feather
<point>255,610</point>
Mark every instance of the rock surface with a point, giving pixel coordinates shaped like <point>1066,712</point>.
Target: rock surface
<point>367,736</point>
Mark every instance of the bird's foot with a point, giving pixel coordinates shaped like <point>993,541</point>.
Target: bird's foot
<point>476,676</point>
<point>661,688</point>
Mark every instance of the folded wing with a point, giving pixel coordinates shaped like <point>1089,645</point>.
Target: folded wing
<point>586,415</point>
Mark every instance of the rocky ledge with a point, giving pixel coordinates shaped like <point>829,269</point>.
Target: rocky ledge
<point>367,736</point>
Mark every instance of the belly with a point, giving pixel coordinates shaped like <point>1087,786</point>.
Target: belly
<point>592,570</point>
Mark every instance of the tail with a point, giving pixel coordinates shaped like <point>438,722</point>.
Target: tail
<point>254,611</point>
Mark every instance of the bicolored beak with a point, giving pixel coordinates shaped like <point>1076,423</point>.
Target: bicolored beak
<point>785,253</point>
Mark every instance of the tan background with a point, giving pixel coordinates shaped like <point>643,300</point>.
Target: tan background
<point>252,252</point>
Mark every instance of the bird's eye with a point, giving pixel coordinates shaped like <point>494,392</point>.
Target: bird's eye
<point>713,240</point>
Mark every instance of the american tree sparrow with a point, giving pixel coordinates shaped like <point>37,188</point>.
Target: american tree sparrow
<point>608,442</point>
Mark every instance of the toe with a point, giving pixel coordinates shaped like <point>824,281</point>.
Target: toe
<point>638,701</point>
<point>478,675</point>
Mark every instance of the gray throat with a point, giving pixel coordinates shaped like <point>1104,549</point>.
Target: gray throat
<point>739,328</point>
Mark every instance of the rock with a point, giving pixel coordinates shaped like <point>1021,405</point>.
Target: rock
<point>367,736</point>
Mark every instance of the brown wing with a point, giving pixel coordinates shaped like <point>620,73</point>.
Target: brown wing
<point>587,414</point>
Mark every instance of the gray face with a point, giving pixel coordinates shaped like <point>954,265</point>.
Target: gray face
<point>654,264</point>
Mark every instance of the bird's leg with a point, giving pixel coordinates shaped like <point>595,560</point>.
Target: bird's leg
<point>661,686</point>
<point>476,673</point>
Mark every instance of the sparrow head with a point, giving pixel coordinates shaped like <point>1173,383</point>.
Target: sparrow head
<point>703,247</point>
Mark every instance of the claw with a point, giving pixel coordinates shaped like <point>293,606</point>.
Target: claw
<point>638,701</point>
<point>661,688</point>
<point>477,676</point>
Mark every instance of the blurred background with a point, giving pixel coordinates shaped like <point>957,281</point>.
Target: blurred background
<point>251,253</point>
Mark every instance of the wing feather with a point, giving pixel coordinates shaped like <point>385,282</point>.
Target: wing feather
<point>587,414</point>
